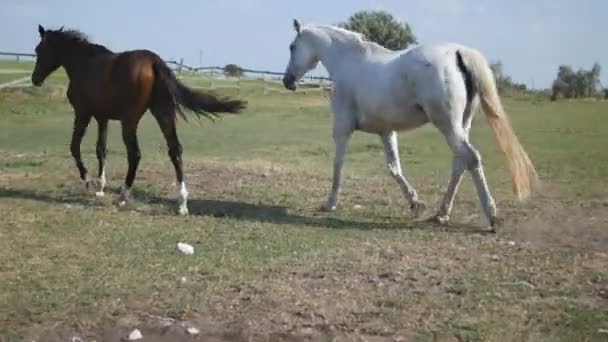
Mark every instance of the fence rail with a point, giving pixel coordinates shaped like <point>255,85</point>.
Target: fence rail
<point>179,66</point>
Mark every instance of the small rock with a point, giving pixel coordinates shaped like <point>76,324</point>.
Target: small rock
<point>602,331</point>
<point>494,257</point>
<point>135,335</point>
<point>193,331</point>
<point>76,339</point>
<point>185,248</point>
<point>73,206</point>
<point>511,243</point>
<point>357,207</point>
<point>183,280</point>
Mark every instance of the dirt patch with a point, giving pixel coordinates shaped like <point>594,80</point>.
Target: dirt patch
<point>163,329</point>
<point>565,225</point>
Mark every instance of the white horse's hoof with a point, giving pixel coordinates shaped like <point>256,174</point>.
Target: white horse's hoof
<point>183,210</point>
<point>100,194</point>
<point>494,222</point>
<point>443,220</point>
<point>122,203</point>
<point>418,208</point>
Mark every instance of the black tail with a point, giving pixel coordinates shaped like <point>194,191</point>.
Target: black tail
<point>199,102</point>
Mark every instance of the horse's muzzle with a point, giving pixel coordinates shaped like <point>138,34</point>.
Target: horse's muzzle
<point>289,81</point>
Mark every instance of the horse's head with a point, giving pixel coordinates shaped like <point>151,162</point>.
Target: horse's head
<point>48,55</point>
<point>302,57</point>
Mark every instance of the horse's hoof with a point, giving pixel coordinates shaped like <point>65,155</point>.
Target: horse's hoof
<point>183,210</point>
<point>418,208</point>
<point>443,220</point>
<point>494,221</point>
<point>121,203</point>
<point>87,182</point>
<point>328,208</point>
<point>100,194</point>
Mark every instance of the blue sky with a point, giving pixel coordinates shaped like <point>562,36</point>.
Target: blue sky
<point>530,37</point>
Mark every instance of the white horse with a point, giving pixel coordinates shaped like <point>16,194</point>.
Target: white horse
<point>381,91</point>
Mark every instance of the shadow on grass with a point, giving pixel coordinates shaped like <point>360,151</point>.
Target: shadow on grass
<point>282,215</point>
<point>73,199</point>
<point>246,212</point>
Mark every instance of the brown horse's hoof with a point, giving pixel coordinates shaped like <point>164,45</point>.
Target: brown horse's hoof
<point>328,208</point>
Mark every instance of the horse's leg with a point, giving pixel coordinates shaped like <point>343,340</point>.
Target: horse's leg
<point>81,122</point>
<point>445,209</point>
<point>129,136</point>
<point>458,168</point>
<point>391,151</point>
<point>101,149</point>
<point>467,157</point>
<point>166,121</point>
<point>341,141</point>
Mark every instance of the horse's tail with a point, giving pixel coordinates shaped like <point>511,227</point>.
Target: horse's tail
<point>199,102</point>
<point>522,171</point>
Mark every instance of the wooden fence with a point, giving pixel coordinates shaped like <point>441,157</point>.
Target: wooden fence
<point>213,71</point>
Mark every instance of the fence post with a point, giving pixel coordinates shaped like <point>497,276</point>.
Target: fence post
<point>180,65</point>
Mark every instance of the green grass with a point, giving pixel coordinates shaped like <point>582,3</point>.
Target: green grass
<point>264,254</point>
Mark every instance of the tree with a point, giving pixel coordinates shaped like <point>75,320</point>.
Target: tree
<point>504,83</point>
<point>571,84</point>
<point>381,27</point>
<point>233,70</point>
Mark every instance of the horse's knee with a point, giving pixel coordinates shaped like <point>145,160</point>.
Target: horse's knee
<point>471,158</point>
<point>474,161</point>
<point>134,155</point>
<point>175,150</point>
<point>101,152</point>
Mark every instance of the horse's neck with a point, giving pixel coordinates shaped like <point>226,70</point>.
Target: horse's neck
<point>338,56</point>
<point>77,62</point>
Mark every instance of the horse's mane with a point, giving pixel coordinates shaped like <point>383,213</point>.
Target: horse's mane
<point>79,39</point>
<point>351,38</point>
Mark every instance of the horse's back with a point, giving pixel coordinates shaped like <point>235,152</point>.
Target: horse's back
<point>432,70</point>
<point>116,85</point>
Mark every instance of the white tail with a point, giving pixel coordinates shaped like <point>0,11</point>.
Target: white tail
<point>522,171</point>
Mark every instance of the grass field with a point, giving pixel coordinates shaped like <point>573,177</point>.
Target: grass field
<point>268,265</point>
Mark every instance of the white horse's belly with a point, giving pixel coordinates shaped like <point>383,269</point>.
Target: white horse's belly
<point>392,120</point>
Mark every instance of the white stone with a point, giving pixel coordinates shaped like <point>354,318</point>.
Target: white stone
<point>185,248</point>
<point>135,335</point>
<point>193,331</point>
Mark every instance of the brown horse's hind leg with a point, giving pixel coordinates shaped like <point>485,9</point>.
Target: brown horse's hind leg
<point>166,120</point>
<point>81,122</point>
<point>129,136</point>
<point>102,138</point>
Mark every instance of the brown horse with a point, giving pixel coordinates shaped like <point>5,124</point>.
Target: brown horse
<point>121,86</point>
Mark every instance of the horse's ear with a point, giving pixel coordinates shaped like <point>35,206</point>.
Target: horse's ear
<point>41,31</point>
<point>60,29</point>
<point>297,26</point>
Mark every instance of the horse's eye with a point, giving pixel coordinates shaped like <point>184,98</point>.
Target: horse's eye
<point>292,47</point>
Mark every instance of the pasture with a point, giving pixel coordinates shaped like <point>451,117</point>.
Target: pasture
<point>267,264</point>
